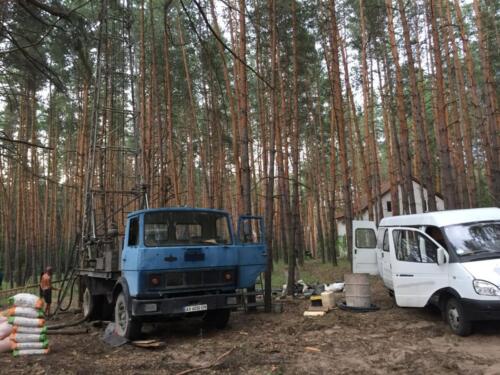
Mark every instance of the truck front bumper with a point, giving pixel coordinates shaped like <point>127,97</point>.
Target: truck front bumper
<point>184,305</point>
<point>481,310</point>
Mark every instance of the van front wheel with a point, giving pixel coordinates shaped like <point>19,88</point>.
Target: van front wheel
<point>458,321</point>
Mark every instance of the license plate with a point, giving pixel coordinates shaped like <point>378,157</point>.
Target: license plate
<point>194,308</point>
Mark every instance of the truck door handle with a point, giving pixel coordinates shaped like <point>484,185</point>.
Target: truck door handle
<point>264,253</point>
<point>124,259</point>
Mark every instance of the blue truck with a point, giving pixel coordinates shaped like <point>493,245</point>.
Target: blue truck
<point>171,262</point>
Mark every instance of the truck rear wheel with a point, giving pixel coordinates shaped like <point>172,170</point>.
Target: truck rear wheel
<point>217,318</point>
<point>125,325</point>
<point>455,315</point>
<point>89,304</point>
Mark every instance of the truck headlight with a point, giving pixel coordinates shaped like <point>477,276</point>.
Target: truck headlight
<point>150,307</point>
<point>485,288</point>
<point>231,301</point>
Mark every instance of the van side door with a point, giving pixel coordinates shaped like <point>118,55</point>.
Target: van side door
<point>384,257</point>
<point>416,273</point>
<point>364,252</point>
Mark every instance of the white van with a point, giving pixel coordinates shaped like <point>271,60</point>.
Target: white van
<point>447,258</point>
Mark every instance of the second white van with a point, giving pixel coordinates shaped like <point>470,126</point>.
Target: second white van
<point>447,258</point>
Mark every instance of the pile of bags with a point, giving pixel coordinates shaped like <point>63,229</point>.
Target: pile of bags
<point>22,327</point>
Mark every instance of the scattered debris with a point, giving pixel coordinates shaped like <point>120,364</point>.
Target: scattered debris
<point>335,287</point>
<point>314,313</point>
<point>312,349</point>
<point>320,305</point>
<point>214,363</point>
<point>149,344</point>
<point>111,338</point>
<point>301,288</point>
<point>342,305</point>
<point>70,332</point>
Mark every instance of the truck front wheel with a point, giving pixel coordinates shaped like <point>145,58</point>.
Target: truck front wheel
<point>458,321</point>
<point>125,325</point>
<point>217,318</point>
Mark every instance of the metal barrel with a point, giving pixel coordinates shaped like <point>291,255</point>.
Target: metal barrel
<point>357,290</point>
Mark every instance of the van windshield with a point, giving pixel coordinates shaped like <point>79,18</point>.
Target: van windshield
<point>475,241</point>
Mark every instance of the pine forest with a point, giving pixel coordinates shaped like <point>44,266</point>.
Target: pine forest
<point>303,112</point>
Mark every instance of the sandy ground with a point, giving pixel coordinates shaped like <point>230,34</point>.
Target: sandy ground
<point>391,340</point>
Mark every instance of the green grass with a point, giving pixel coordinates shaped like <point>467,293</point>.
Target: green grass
<point>313,271</point>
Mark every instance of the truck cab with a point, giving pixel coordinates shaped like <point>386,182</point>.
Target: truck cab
<point>449,258</point>
<point>184,262</point>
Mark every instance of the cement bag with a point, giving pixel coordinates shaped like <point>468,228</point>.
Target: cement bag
<point>20,352</point>
<point>29,345</point>
<point>32,330</point>
<point>28,322</point>
<point>5,330</point>
<point>26,300</point>
<point>27,312</point>
<point>5,345</point>
<point>28,337</point>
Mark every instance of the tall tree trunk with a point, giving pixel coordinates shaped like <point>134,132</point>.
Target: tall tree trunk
<point>192,123</point>
<point>167,88</point>
<point>464,116</point>
<point>406,172</point>
<point>492,114</point>
<point>338,118</point>
<point>418,116</point>
<point>366,111</point>
<point>447,183</point>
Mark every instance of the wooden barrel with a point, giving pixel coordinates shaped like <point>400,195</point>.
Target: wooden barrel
<point>357,290</point>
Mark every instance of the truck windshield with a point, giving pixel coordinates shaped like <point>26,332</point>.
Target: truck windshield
<point>178,228</point>
<point>475,241</point>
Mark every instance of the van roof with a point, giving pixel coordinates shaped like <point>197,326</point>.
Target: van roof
<point>443,218</point>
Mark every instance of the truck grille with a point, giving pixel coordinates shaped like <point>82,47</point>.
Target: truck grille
<point>191,279</point>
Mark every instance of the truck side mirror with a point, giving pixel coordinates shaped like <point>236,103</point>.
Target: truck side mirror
<point>441,256</point>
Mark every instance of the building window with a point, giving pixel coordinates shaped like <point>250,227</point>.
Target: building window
<point>389,206</point>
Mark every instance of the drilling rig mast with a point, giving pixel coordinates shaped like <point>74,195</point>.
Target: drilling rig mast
<point>113,186</point>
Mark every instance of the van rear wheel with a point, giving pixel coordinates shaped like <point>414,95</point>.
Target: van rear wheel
<point>457,320</point>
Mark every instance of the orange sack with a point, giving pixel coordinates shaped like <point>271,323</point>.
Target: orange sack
<point>5,330</point>
<point>5,345</point>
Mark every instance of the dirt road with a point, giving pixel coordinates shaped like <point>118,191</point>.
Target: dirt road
<point>391,340</point>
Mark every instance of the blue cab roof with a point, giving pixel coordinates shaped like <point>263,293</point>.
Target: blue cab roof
<point>176,209</point>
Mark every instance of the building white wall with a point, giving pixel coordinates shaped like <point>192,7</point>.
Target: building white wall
<point>419,203</point>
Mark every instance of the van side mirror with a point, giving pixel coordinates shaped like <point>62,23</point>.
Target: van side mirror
<point>441,256</point>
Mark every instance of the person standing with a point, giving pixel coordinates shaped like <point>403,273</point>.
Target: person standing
<point>46,289</point>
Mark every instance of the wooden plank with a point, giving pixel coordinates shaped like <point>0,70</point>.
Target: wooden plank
<point>314,313</point>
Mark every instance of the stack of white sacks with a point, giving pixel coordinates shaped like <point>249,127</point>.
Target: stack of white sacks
<point>22,327</point>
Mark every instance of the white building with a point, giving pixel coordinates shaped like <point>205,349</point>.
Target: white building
<point>420,202</point>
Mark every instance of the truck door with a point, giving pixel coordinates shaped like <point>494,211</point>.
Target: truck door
<point>364,252</point>
<point>416,273</point>
<point>252,253</point>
